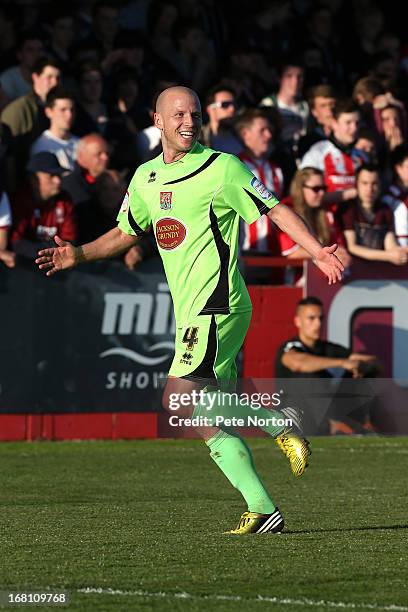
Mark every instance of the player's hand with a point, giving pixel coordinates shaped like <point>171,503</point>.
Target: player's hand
<point>133,257</point>
<point>62,257</point>
<point>329,264</point>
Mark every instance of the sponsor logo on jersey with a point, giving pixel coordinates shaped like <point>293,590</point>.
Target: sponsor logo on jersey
<point>165,199</point>
<point>125,203</point>
<point>261,189</point>
<point>170,233</point>
<point>152,177</point>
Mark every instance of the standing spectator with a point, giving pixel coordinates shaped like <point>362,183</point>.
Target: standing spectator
<point>336,156</point>
<point>58,139</point>
<point>41,210</point>
<point>105,26</point>
<point>322,100</point>
<point>61,28</point>
<point>92,160</point>
<point>397,196</point>
<point>6,256</point>
<point>16,81</point>
<point>25,116</point>
<point>194,59</point>
<point>255,131</point>
<point>368,223</point>
<point>91,113</point>
<point>221,108</point>
<point>293,109</point>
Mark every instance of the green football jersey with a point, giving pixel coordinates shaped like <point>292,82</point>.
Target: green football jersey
<point>194,206</point>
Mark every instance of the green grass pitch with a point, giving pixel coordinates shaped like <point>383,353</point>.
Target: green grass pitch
<point>143,522</point>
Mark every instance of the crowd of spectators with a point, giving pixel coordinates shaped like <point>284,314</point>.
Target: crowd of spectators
<point>311,95</point>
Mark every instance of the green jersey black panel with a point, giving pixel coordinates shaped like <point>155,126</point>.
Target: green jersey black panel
<point>193,206</point>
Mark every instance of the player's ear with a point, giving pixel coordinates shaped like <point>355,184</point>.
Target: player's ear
<point>296,321</point>
<point>158,121</point>
<point>47,112</point>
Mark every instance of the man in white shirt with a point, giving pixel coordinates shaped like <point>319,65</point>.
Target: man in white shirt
<point>58,139</point>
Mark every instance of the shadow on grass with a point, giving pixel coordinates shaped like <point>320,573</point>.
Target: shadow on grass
<point>341,530</point>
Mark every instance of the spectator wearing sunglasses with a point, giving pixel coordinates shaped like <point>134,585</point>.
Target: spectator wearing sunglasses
<point>307,192</point>
<point>219,132</point>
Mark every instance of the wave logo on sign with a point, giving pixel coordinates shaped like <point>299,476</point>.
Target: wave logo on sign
<point>140,314</point>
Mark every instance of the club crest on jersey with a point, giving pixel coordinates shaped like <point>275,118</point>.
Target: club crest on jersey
<point>125,203</point>
<point>152,177</point>
<point>261,189</point>
<point>165,199</point>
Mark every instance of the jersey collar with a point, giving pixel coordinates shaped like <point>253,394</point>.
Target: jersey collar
<point>186,159</point>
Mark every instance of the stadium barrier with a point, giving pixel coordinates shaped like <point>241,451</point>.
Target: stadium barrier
<point>84,354</point>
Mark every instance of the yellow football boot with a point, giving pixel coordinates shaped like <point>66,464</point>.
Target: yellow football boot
<point>253,522</point>
<point>296,450</point>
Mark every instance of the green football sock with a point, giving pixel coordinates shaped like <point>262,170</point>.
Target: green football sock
<point>223,405</point>
<point>234,459</point>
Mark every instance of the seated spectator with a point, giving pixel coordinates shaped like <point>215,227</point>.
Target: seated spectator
<point>16,81</point>
<point>58,139</point>
<point>336,156</point>
<point>293,109</point>
<point>322,100</point>
<point>397,195</point>
<point>306,197</point>
<point>25,116</point>
<point>41,210</point>
<point>218,133</point>
<point>368,223</point>
<point>307,356</point>
<point>6,256</point>
<point>92,161</point>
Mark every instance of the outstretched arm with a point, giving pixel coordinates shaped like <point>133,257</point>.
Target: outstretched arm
<point>65,255</point>
<point>324,258</point>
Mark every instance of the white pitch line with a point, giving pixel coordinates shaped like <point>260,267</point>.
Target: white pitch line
<point>286,601</point>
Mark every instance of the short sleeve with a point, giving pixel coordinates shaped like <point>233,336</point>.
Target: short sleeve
<point>244,193</point>
<point>336,350</point>
<point>389,219</point>
<point>348,218</point>
<point>133,217</point>
<point>5,212</point>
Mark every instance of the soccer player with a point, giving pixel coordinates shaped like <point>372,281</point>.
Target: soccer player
<point>193,197</point>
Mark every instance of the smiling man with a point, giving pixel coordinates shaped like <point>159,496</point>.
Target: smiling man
<point>193,198</point>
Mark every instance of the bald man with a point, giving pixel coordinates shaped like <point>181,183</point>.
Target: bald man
<point>193,197</point>
<point>92,158</point>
